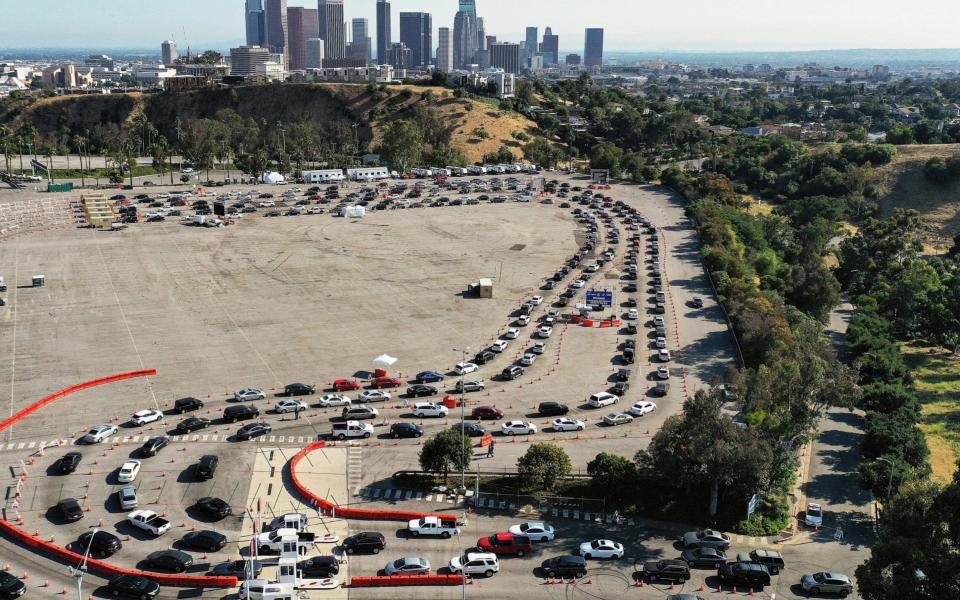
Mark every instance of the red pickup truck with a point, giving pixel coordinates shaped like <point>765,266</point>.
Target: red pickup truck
<point>505,543</point>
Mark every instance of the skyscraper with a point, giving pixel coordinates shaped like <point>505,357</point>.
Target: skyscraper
<point>245,59</point>
<point>332,28</point>
<point>314,51</point>
<point>551,46</point>
<point>593,47</point>
<point>465,32</point>
<point>302,24</point>
<point>275,24</point>
<point>481,34</point>
<point>360,44</point>
<point>445,50</point>
<point>530,48</point>
<point>384,36</point>
<point>416,31</point>
<point>505,56</point>
<point>256,24</point>
<point>168,51</point>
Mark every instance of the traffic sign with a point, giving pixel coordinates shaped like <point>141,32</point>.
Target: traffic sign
<point>752,505</point>
<point>600,297</point>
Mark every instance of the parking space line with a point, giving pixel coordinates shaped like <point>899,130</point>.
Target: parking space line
<point>272,438</point>
<point>205,438</point>
<point>13,333</point>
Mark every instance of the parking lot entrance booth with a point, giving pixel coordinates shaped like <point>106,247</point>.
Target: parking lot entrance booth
<point>485,288</point>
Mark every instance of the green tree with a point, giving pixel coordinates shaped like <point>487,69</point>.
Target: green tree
<point>160,154</point>
<point>446,451</point>
<point>402,145</point>
<point>606,156</point>
<point>613,475</point>
<point>542,466</point>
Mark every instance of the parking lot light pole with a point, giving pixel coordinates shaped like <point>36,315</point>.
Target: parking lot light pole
<point>463,359</point>
<point>81,570</point>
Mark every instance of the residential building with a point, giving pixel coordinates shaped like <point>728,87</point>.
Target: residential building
<point>530,44</point>
<point>401,56</point>
<point>465,32</point>
<point>256,23</point>
<point>504,84</point>
<point>416,31</point>
<point>272,69</point>
<point>333,28</point>
<point>550,47</point>
<point>314,53</point>
<point>573,60</point>
<point>168,52</point>
<point>361,46</point>
<point>276,27</point>
<point>244,60</point>
<point>384,37</point>
<point>303,24</point>
<point>505,56</point>
<point>376,74</point>
<point>445,50</point>
<point>593,47</point>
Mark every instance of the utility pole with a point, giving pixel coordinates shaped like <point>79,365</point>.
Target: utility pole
<point>463,359</point>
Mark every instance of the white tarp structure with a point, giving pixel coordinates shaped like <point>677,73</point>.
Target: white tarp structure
<point>272,178</point>
<point>354,212</point>
<point>384,360</point>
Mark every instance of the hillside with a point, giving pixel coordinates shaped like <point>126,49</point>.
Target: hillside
<point>321,104</point>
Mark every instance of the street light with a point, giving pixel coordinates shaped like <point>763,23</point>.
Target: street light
<point>463,359</point>
<point>81,569</point>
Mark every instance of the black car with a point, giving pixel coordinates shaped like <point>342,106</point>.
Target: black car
<point>741,573</point>
<point>704,557</point>
<point>620,388</point>
<point>100,543</point>
<point>549,409</point>
<point>365,541</point>
<point>70,509</point>
<point>420,390</point>
<point>565,566</point>
<point>240,412</point>
<point>211,541</point>
<point>169,560</point>
<point>300,389</point>
<point>134,586</point>
<point>154,445</point>
<point>213,507</point>
<point>484,357</point>
<point>628,355</point>
<point>511,373</point>
<point>238,568</point>
<point>11,586</point>
<point>207,466</point>
<point>470,429</point>
<point>669,570</point>
<point>252,430</point>
<point>319,567</point>
<point>623,374</point>
<point>405,430</point>
<point>68,463</point>
<point>186,405</point>
<point>192,424</point>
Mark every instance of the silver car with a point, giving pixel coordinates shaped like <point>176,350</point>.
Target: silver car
<point>827,583</point>
<point>410,565</point>
<point>128,497</point>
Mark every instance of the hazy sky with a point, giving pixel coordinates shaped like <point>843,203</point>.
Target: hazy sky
<point>630,24</point>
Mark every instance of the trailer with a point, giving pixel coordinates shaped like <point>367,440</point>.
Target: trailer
<point>368,173</point>
<point>323,176</point>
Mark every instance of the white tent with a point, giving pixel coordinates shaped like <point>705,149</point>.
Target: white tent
<point>354,212</point>
<point>272,178</point>
<point>384,360</point>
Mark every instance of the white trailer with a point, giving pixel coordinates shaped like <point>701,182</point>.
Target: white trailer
<point>323,176</point>
<point>368,173</point>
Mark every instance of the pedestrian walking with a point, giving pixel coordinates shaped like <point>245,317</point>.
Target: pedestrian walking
<point>490,449</point>
<point>296,413</point>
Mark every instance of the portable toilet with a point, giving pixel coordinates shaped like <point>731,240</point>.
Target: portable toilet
<point>38,281</point>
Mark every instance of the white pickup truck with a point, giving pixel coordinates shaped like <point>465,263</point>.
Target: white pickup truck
<point>149,521</point>
<point>433,526</point>
<point>351,429</point>
<point>285,540</point>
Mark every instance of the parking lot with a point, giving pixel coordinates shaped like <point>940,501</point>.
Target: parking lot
<point>314,298</point>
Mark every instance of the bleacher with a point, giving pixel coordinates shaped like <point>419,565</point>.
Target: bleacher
<point>97,210</point>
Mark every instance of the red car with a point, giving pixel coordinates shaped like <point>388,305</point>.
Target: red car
<point>487,412</point>
<point>345,385</point>
<point>385,382</point>
<point>505,543</point>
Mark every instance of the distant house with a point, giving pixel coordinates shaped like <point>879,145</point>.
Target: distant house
<point>907,113</point>
<point>953,109</point>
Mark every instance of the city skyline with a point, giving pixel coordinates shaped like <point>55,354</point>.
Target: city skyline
<point>706,27</point>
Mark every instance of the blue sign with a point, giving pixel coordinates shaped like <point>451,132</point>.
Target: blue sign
<point>600,297</point>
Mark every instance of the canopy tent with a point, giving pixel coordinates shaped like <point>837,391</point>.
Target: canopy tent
<point>272,178</point>
<point>384,360</point>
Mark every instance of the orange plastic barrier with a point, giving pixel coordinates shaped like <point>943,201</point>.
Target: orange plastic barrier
<point>576,319</point>
<point>587,322</point>
<point>405,580</point>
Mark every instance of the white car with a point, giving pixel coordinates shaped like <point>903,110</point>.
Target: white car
<point>661,342</point>
<point>499,345</point>
<point>663,373</point>
<point>539,347</point>
<point>601,549</point>
<point>523,320</point>
<point>141,418</point>
<point>594,268</point>
<point>814,515</point>
<point>428,409</point>
<point>335,400</point>
<point>518,428</point>
<point>658,321</point>
<point>643,407</point>
<point>465,368</point>
<point>475,563</point>
<point>664,355</point>
<point>602,399</point>
<point>528,359</point>
<point>128,497</point>
<point>537,531</point>
<point>128,472</point>
<point>545,331</point>
<point>267,204</point>
<point>537,300</point>
<point>579,283</point>
<point>512,333</point>
<point>565,424</point>
<point>289,405</point>
<point>373,396</point>
<point>549,320</point>
<point>99,433</point>
<point>633,314</point>
<point>249,395</point>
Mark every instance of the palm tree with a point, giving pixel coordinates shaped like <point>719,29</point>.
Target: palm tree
<point>160,152</point>
<point>79,142</point>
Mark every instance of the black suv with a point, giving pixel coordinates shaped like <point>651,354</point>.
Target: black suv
<point>511,373</point>
<point>240,412</point>
<point>11,586</point>
<point>207,466</point>
<point>319,567</point>
<point>623,374</point>
<point>484,357</point>
<point>565,566</point>
<point>365,541</point>
<point>154,445</point>
<point>405,430</point>
<point>549,409</point>
<point>186,405</point>
<point>68,463</point>
<point>669,570</point>
<point>742,573</point>
<point>101,543</point>
<point>771,559</point>
<point>71,510</point>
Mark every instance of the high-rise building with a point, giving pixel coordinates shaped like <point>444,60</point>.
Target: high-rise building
<point>550,46</point>
<point>506,56</point>
<point>244,60</point>
<point>332,28</point>
<point>302,25</point>
<point>481,34</point>
<point>445,50</point>
<point>314,53</point>
<point>278,38</point>
<point>530,48</point>
<point>256,23</point>
<point>573,60</point>
<point>400,56</point>
<point>465,32</point>
<point>416,31</point>
<point>384,29</point>
<point>593,47</point>
<point>168,51</point>
<point>361,44</point>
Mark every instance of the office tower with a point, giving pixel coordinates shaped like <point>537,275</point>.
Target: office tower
<point>332,28</point>
<point>531,42</point>
<point>445,51</point>
<point>362,44</point>
<point>573,60</point>
<point>416,31</point>
<point>314,53</point>
<point>481,35</point>
<point>550,46</point>
<point>465,31</point>
<point>256,23</point>
<point>384,36</point>
<point>244,60</point>
<point>593,47</point>
<point>505,56</point>
<point>275,20</point>
<point>302,25</point>
<point>168,51</point>
<point>490,39</point>
<point>400,56</point>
